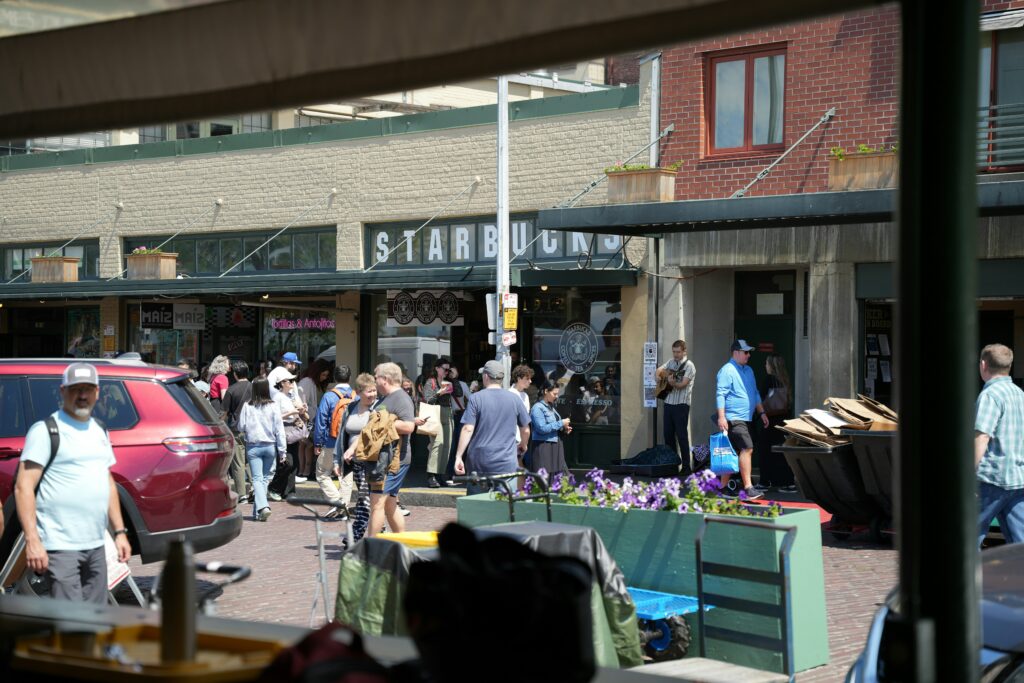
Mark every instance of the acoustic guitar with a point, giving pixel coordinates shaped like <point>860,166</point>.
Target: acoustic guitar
<point>663,388</point>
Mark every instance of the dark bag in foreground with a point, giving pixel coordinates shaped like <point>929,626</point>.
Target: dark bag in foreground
<point>502,603</point>
<point>332,654</point>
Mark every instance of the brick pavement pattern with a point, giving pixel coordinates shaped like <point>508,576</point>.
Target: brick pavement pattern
<point>282,554</point>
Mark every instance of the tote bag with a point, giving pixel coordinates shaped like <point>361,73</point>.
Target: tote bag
<point>432,413</point>
<point>723,458</point>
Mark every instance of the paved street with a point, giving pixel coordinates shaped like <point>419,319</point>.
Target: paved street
<point>282,555</point>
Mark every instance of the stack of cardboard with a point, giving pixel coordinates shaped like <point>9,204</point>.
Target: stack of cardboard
<point>824,428</point>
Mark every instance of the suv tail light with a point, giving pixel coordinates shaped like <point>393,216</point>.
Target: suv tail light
<point>197,444</point>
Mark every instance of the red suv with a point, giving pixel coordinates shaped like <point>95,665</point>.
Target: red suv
<point>171,447</point>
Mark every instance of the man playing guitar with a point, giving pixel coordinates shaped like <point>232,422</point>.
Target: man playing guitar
<point>675,388</point>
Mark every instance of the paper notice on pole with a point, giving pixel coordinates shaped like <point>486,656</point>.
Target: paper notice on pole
<point>886,371</point>
<point>116,571</point>
<point>508,338</point>
<point>872,341</point>
<point>649,375</point>
<point>872,368</point>
<point>510,300</point>
<point>650,352</point>
<point>650,400</point>
<point>883,345</point>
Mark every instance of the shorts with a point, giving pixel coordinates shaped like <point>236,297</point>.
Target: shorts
<point>393,482</point>
<point>739,436</point>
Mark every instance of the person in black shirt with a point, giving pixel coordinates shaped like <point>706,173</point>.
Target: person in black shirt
<point>234,398</point>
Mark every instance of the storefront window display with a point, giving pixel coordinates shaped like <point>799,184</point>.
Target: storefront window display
<point>83,332</point>
<point>152,334</point>
<point>305,332</point>
<point>577,341</point>
<point>411,329</point>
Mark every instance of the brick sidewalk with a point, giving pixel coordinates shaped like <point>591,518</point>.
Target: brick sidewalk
<point>282,554</point>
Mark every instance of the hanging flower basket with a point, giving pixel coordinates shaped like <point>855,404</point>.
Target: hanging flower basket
<point>629,186</point>
<point>54,269</point>
<point>152,265</point>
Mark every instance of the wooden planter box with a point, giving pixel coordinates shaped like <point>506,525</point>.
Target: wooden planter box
<point>55,269</point>
<point>863,171</point>
<point>656,551</point>
<point>152,266</point>
<point>637,187</point>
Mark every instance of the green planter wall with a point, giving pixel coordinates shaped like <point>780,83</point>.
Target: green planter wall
<point>656,551</point>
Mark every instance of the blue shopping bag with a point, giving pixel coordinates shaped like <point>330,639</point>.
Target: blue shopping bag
<point>723,458</point>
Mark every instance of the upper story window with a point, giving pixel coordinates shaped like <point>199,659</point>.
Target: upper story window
<point>1001,100</point>
<point>310,249</point>
<point>17,258</point>
<point>187,130</point>
<point>746,100</point>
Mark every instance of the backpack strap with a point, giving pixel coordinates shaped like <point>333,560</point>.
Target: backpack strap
<point>51,427</point>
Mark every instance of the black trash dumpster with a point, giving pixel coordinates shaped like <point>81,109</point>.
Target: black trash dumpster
<point>874,451</point>
<point>831,478</point>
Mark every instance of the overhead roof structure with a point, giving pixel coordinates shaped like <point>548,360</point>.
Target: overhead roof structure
<point>233,56</point>
<point>773,211</point>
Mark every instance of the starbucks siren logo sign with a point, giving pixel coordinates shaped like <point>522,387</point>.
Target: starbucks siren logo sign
<point>577,348</point>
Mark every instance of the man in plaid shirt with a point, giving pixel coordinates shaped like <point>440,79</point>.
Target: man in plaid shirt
<point>999,446</point>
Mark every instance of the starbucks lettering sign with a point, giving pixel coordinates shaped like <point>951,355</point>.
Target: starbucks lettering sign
<point>472,241</point>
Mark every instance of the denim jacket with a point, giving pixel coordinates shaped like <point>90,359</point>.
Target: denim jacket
<point>545,422</point>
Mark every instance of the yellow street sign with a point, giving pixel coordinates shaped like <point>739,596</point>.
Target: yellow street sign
<point>511,319</point>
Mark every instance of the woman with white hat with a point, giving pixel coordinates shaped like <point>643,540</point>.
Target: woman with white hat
<point>281,384</point>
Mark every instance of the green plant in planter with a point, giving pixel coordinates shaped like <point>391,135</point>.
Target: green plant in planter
<point>840,152</point>
<point>142,251</point>
<point>621,167</point>
<point>700,492</point>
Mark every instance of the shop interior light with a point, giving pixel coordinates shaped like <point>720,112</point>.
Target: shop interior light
<point>543,288</point>
<point>265,297</point>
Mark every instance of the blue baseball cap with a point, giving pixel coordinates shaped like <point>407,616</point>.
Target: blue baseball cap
<point>290,357</point>
<point>741,345</point>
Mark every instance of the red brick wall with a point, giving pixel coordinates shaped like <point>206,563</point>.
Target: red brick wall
<point>848,61</point>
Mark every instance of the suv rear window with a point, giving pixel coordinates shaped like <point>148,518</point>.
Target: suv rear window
<point>12,410</point>
<point>193,401</point>
<point>114,407</point>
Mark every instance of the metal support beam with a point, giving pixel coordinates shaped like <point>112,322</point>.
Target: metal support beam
<point>937,632</point>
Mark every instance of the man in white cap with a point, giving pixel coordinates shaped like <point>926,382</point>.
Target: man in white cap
<point>489,429</point>
<point>65,513</point>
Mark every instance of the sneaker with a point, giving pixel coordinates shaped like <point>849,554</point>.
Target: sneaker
<point>792,488</point>
<point>264,514</point>
<point>763,486</point>
<point>336,513</point>
<point>432,482</point>
<point>404,510</point>
<point>753,493</point>
<point>299,479</point>
<point>452,482</point>
<point>274,496</point>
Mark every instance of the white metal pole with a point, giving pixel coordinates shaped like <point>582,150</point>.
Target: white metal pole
<point>655,110</point>
<point>503,230</point>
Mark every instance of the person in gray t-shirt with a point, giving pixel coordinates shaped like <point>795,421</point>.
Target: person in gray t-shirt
<point>489,427</point>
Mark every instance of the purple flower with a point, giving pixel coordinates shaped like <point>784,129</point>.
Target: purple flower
<point>743,495</point>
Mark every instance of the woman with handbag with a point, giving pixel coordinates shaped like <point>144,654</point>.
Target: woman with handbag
<point>545,424</point>
<point>775,471</point>
<point>282,384</point>
<point>260,421</point>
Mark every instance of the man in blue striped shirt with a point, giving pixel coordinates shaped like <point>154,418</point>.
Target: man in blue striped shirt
<point>999,446</point>
<point>738,401</point>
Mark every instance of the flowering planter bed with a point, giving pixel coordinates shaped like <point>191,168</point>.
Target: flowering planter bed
<point>655,550</point>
